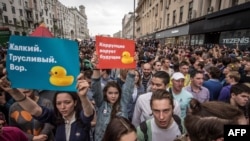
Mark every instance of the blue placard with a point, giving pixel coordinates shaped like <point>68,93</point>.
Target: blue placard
<point>42,63</point>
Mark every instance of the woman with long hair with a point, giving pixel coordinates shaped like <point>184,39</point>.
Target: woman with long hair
<point>110,102</point>
<point>72,113</point>
<point>137,91</point>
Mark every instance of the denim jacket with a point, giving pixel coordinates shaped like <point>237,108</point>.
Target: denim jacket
<point>131,104</point>
<point>105,108</point>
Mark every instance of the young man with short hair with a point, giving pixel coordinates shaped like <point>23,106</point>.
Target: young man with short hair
<point>143,110</point>
<point>162,127</point>
<point>240,95</point>
<point>196,89</point>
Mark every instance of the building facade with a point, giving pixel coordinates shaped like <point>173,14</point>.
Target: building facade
<point>23,16</point>
<point>127,26</point>
<point>193,22</point>
<point>118,34</point>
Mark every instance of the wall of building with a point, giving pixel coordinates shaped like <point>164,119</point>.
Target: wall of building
<point>61,21</point>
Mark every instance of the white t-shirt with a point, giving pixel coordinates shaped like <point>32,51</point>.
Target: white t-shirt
<point>143,110</point>
<point>169,134</point>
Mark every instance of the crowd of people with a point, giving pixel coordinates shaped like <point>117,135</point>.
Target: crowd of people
<point>175,93</point>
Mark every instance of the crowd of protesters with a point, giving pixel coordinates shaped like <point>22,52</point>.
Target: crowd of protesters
<point>174,93</point>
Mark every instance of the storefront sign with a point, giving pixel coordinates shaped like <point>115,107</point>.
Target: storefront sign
<point>175,31</point>
<point>243,40</point>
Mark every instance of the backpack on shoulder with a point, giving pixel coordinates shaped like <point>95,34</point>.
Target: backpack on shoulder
<point>144,128</point>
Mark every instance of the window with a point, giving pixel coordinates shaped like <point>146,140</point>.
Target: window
<point>161,5</point>
<point>4,7</point>
<point>181,14</point>
<point>190,8</point>
<point>13,10</point>
<point>219,4</point>
<point>21,12</point>
<point>168,19</point>
<point>6,19</point>
<point>20,2</point>
<point>15,22</point>
<point>22,22</point>
<point>26,4</point>
<point>235,2</point>
<point>174,16</point>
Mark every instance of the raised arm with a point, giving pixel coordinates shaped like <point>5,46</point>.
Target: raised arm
<point>96,82</point>
<point>127,91</point>
<point>97,88</point>
<point>25,102</point>
<point>82,87</point>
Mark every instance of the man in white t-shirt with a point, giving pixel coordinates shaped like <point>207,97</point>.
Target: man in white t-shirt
<point>143,110</point>
<point>163,126</point>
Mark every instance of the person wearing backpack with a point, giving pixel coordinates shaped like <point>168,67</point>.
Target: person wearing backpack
<point>164,126</point>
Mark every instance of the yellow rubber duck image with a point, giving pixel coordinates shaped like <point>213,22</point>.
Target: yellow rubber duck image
<point>58,77</point>
<point>126,59</point>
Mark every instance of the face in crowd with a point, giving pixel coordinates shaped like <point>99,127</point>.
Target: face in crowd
<point>184,69</point>
<point>162,108</point>
<point>197,80</point>
<point>241,99</point>
<point>157,83</point>
<point>157,66</point>
<point>112,92</point>
<point>178,84</point>
<point>147,69</point>
<point>65,104</point>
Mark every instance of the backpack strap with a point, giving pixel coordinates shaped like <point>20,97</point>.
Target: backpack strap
<point>177,119</point>
<point>144,129</point>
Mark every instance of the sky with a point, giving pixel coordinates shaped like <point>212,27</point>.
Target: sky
<point>104,16</point>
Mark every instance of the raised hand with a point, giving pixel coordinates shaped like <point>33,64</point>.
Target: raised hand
<point>6,86</point>
<point>82,85</point>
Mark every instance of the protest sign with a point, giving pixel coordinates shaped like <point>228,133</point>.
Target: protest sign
<point>115,53</point>
<point>42,63</point>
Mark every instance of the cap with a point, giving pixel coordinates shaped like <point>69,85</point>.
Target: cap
<point>177,76</point>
